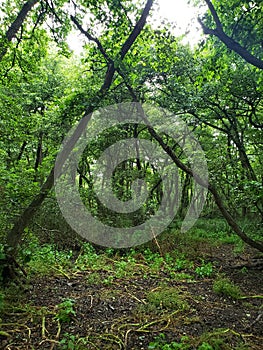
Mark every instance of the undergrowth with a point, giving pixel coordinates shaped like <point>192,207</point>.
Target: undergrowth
<point>173,260</point>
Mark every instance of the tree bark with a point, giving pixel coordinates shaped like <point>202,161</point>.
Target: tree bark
<point>14,235</point>
<point>16,25</point>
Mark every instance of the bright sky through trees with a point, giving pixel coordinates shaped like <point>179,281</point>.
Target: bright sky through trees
<point>183,15</point>
<point>179,12</point>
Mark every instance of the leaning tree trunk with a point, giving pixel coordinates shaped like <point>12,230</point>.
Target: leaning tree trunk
<point>15,234</point>
<point>218,200</point>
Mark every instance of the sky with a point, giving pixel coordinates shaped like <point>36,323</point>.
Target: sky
<point>176,11</point>
<point>184,16</point>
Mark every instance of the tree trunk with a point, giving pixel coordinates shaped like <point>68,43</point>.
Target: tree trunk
<point>232,223</point>
<point>15,234</point>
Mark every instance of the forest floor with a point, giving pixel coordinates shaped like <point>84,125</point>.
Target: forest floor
<point>143,302</point>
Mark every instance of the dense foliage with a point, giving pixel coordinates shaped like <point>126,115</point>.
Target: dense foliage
<point>45,89</point>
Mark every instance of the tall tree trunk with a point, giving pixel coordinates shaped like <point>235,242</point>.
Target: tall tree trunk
<point>185,199</point>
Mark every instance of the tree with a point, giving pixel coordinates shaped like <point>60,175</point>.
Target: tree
<point>16,232</point>
<point>143,65</point>
<point>246,25</point>
<point>26,22</point>
<point>183,84</point>
<point>212,188</point>
<point>16,25</point>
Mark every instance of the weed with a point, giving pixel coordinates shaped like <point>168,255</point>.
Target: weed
<point>156,265</point>
<point>220,339</point>
<point>72,342</point>
<point>89,259</point>
<point>239,247</point>
<point>205,270</point>
<point>44,259</point>
<point>108,280</point>
<point>110,252</point>
<point>167,298</point>
<point>182,263</point>
<point>205,346</point>
<point>124,268</point>
<point>227,288</point>
<point>244,270</point>
<point>181,276</point>
<point>93,278</point>
<point>68,342</point>
<point>160,343</point>
<point>65,310</point>
<point>230,239</point>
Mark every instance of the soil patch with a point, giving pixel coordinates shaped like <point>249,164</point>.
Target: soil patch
<point>116,313</point>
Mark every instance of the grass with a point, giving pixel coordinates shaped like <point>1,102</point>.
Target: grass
<point>216,340</point>
<point>227,288</point>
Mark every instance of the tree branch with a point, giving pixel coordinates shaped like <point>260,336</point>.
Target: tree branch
<point>136,30</point>
<point>90,37</point>
<point>228,41</point>
<point>15,26</point>
<point>125,47</point>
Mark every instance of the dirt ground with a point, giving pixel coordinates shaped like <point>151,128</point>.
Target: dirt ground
<point>116,316</point>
